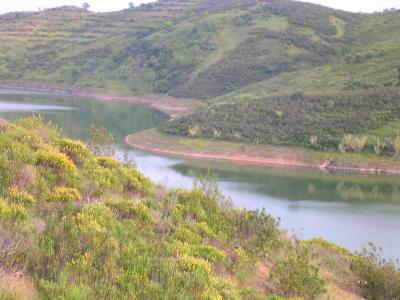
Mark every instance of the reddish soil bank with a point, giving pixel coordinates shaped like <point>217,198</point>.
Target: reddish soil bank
<point>240,158</point>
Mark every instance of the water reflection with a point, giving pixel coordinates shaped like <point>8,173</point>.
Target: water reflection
<point>297,185</point>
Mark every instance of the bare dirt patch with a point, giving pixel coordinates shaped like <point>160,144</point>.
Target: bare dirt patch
<point>18,285</point>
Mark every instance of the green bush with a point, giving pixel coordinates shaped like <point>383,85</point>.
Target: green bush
<point>131,210</point>
<point>378,279</point>
<point>256,232</point>
<point>137,182</point>
<point>295,275</point>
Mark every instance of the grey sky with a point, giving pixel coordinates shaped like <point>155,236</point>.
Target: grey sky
<point>107,5</point>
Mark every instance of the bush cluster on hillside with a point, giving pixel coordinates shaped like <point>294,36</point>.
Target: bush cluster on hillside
<point>317,121</point>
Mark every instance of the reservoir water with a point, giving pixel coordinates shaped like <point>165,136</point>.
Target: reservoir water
<point>350,210</point>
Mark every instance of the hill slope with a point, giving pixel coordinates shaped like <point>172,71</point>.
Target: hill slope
<point>78,226</point>
<point>198,48</point>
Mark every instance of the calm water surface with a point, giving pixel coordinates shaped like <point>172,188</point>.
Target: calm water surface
<point>350,210</point>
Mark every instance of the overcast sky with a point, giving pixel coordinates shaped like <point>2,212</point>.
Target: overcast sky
<point>107,5</point>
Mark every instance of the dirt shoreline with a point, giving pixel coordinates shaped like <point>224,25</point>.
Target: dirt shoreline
<point>243,158</point>
<point>173,107</point>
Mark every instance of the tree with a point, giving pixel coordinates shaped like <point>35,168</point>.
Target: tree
<point>86,5</point>
<point>131,5</point>
<point>100,141</point>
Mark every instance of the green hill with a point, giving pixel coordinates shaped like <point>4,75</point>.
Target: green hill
<point>240,55</point>
<point>74,225</point>
<point>200,48</point>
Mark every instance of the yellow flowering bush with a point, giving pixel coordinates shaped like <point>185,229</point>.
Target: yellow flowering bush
<point>193,264</point>
<point>22,198</point>
<point>206,252</point>
<point>108,162</point>
<point>24,136</point>
<point>63,194</point>
<point>131,210</point>
<point>75,150</point>
<point>82,263</point>
<point>93,221</point>
<point>241,253</point>
<point>204,230</point>
<point>56,161</point>
<point>12,211</point>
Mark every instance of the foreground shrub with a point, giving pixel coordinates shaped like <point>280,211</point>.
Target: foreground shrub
<point>256,231</point>
<point>378,145</point>
<point>377,278</point>
<point>294,275</point>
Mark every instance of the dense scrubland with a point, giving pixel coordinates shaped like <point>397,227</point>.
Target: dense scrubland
<point>75,225</point>
<point>363,121</point>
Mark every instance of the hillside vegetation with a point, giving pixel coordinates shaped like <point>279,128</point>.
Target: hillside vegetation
<point>78,226</point>
<point>197,48</point>
<point>326,121</point>
<point>273,71</point>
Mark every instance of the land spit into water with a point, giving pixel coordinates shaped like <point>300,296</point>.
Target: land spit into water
<point>239,153</point>
<point>263,155</point>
